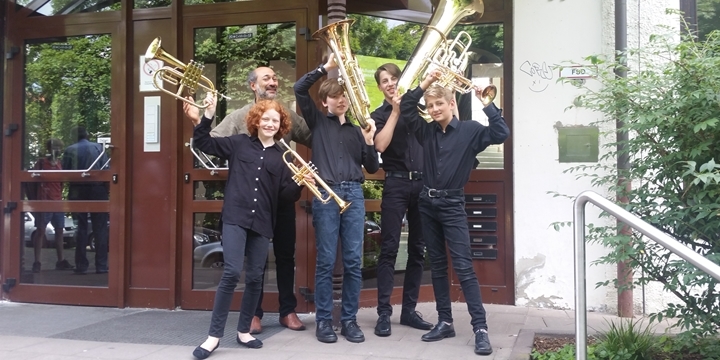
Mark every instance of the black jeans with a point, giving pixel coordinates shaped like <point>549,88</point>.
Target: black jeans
<point>99,221</point>
<point>284,249</point>
<point>400,195</point>
<point>444,221</point>
<point>237,242</point>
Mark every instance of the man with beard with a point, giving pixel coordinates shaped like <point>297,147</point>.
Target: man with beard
<point>264,83</point>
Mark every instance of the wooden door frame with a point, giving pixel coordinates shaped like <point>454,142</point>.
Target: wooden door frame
<point>233,14</point>
<point>13,176</point>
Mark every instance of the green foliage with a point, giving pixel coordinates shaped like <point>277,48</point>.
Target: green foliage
<point>372,36</point>
<point>372,189</point>
<point>67,84</point>
<point>626,341</point>
<point>566,353</point>
<point>670,109</point>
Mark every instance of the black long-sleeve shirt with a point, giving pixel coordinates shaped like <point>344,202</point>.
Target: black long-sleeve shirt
<point>339,150</point>
<point>257,178</point>
<point>449,156</point>
<point>404,153</point>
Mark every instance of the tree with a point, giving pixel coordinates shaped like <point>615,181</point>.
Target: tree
<point>671,110</point>
<point>708,17</point>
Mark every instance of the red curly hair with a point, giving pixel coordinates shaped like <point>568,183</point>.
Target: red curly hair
<point>257,111</point>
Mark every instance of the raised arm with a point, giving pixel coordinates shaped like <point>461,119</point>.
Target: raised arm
<point>386,127</point>
<point>496,133</point>
<point>369,154</point>
<point>221,146</point>
<point>309,111</point>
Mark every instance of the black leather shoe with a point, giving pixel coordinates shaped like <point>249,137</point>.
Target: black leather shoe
<point>351,331</point>
<point>252,344</point>
<point>414,319</point>
<point>324,332</point>
<point>482,343</point>
<point>201,353</point>
<point>439,332</point>
<point>383,326</point>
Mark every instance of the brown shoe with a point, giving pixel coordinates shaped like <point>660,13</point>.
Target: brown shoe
<point>292,322</point>
<point>255,326</point>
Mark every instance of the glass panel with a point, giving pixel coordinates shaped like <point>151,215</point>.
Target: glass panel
<point>231,52</point>
<point>67,102</point>
<point>70,245</point>
<point>208,258</point>
<point>209,190</point>
<point>371,253</point>
<point>485,67</point>
<point>65,7</point>
<point>146,4</point>
<point>195,2</point>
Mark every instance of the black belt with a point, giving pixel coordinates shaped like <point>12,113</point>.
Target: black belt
<point>412,175</point>
<point>435,193</point>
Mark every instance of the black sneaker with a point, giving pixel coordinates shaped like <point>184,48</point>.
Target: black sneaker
<point>383,325</point>
<point>351,331</point>
<point>36,267</point>
<point>482,342</point>
<point>63,265</point>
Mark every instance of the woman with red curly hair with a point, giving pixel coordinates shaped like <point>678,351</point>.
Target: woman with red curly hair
<point>257,178</point>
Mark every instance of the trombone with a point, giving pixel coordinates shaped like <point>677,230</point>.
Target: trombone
<point>185,76</point>
<point>309,168</point>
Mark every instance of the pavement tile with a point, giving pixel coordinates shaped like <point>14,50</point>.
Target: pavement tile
<point>121,351</point>
<point>18,355</point>
<point>61,347</point>
<point>17,342</point>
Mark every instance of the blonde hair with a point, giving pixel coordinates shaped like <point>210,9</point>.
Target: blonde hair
<point>438,91</point>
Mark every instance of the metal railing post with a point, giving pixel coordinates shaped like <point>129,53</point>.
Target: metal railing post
<point>639,225</point>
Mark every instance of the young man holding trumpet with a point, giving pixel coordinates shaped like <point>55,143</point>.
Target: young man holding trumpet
<point>450,148</point>
<point>340,150</point>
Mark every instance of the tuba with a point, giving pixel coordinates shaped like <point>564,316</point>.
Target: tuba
<point>309,168</point>
<point>435,51</point>
<point>351,78</point>
<point>188,76</point>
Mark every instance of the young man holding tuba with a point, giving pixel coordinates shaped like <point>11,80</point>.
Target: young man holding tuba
<point>340,150</point>
<point>450,148</point>
<point>402,162</point>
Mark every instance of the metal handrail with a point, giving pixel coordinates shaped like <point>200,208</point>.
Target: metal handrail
<point>214,169</point>
<point>84,172</point>
<point>634,222</point>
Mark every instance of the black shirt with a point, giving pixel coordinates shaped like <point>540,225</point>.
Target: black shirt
<point>404,152</point>
<point>450,156</point>
<point>257,178</point>
<point>338,150</point>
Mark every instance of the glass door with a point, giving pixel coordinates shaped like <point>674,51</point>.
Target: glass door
<point>231,47</point>
<point>65,230</point>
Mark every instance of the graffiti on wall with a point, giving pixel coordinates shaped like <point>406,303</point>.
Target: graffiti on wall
<point>540,75</point>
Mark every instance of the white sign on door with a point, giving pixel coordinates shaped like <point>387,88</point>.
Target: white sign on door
<point>147,71</point>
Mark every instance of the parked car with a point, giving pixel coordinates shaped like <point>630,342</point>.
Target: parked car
<point>207,248</point>
<point>68,232</point>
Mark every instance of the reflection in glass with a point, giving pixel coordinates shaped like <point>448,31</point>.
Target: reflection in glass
<point>229,53</point>
<point>208,260</point>
<point>54,255</point>
<point>66,7</point>
<point>209,190</point>
<point>371,254</point>
<point>485,66</point>
<point>146,4</point>
<point>67,85</point>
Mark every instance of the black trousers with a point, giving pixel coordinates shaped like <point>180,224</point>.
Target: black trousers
<point>284,249</point>
<point>237,242</point>
<point>444,223</point>
<point>400,195</point>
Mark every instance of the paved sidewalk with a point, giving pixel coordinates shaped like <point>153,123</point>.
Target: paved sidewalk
<point>32,331</point>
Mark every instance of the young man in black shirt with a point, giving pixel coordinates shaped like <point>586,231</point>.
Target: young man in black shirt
<point>450,147</point>
<point>402,162</point>
<point>340,150</point>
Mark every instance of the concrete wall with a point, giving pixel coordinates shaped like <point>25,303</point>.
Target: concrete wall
<point>549,33</point>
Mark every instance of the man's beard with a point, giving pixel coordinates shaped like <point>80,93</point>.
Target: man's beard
<point>264,94</point>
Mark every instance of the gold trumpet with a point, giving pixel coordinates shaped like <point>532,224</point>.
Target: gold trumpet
<point>186,76</point>
<point>309,168</point>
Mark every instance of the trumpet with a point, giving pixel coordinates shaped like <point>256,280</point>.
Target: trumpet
<point>186,76</point>
<point>299,173</point>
